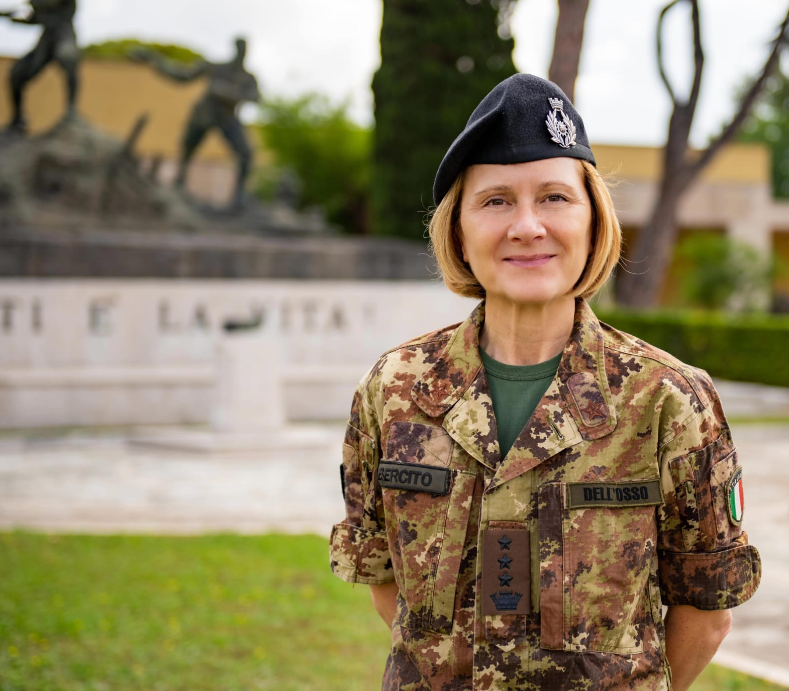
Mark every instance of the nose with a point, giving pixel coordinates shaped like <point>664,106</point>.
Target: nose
<point>527,224</point>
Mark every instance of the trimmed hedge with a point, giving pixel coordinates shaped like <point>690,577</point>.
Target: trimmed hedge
<point>750,348</point>
<point>122,49</point>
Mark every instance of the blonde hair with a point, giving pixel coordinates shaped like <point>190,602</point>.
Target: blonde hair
<point>445,243</point>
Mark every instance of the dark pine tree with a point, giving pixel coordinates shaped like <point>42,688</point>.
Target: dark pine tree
<point>438,60</point>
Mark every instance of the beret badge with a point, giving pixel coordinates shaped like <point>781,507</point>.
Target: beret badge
<point>562,131</point>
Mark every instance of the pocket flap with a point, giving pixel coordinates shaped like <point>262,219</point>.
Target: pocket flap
<point>413,442</point>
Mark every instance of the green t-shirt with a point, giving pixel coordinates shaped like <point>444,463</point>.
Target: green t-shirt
<point>516,390</point>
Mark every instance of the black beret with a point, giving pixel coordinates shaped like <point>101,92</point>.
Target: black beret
<point>524,118</point>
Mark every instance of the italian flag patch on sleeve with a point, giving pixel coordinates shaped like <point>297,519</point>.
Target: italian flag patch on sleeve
<point>736,497</point>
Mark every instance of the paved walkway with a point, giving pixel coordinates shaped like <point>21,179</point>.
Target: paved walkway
<point>103,484</point>
<point>99,483</point>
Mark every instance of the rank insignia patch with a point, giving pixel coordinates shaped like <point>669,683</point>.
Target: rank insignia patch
<point>505,571</point>
<point>736,497</point>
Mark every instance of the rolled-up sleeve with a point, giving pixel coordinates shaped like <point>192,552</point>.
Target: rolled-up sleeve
<point>710,580</point>
<point>359,549</point>
<point>704,559</point>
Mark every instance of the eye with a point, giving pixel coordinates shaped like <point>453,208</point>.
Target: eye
<point>556,197</point>
<point>494,201</point>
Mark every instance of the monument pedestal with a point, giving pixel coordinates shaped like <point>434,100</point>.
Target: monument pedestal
<point>249,409</point>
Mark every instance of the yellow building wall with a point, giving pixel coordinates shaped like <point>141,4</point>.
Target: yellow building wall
<point>747,163</point>
<point>113,95</point>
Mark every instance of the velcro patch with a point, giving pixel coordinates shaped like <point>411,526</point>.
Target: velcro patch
<point>584,495</point>
<point>414,476</point>
<point>505,571</point>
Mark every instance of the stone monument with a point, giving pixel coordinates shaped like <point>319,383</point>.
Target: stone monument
<point>57,43</point>
<point>229,86</point>
<point>74,176</point>
<point>248,409</point>
<point>78,202</point>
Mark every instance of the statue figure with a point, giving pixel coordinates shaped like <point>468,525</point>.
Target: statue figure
<point>229,86</point>
<point>58,42</point>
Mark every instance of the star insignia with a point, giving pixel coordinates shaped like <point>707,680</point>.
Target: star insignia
<point>595,410</point>
<point>505,542</point>
<point>504,562</point>
<point>504,580</point>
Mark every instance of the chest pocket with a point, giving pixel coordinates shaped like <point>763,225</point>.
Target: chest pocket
<point>597,542</point>
<point>426,522</point>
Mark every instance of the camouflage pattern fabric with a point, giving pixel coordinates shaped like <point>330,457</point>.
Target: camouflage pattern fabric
<point>641,440</point>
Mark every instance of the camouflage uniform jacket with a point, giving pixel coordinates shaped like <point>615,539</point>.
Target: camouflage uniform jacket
<point>546,569</point>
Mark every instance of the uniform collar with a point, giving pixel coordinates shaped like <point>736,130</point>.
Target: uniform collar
<point>457,377</point>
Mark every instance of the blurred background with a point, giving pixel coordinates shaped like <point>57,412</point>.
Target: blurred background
<point>205,242</point>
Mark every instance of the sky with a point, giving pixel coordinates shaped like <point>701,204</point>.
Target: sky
<point>332,47</point>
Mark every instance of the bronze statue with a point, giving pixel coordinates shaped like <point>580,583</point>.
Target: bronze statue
<point>58,42</point>
<point>229,86</point>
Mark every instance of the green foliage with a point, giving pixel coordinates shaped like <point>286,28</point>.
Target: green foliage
<point>438,60</point>
<point>199,613</point>
<point>328,153</point>
<point>747,347</point>
<point>721,272</point>
<point>123,49</point>
<point>769,123</point>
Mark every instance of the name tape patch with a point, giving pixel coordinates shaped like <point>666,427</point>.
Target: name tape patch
<point>414,476</point>
<point>582,495</point>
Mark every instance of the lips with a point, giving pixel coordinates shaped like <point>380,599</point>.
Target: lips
<point>529,260</point>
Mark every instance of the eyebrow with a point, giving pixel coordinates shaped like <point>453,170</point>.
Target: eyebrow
<point>508,188</point>
<point>493,188</point>
<point>554,183</point>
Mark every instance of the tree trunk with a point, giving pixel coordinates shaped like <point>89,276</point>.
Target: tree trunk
<point>641,281</point>
<point>640,278</point>
<point>567,45</point>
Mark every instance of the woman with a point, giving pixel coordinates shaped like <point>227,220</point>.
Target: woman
<point>524,491</point>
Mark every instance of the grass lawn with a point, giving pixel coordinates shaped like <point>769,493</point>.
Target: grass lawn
<point>221,612</point>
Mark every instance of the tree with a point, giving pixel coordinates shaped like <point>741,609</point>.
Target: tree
<point>439,58</point>
<point>124,48</point>
<point>329,154</point>
<point>724,273</point>
<point>769,123</point>
<point>567,45</point>
<point>655,241</point>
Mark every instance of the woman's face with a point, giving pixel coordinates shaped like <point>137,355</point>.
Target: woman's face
<point>526,228</point>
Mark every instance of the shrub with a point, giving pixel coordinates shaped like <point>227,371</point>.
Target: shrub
<point>328,153</point>
<point>724,273</point>
<point>749,348</point>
